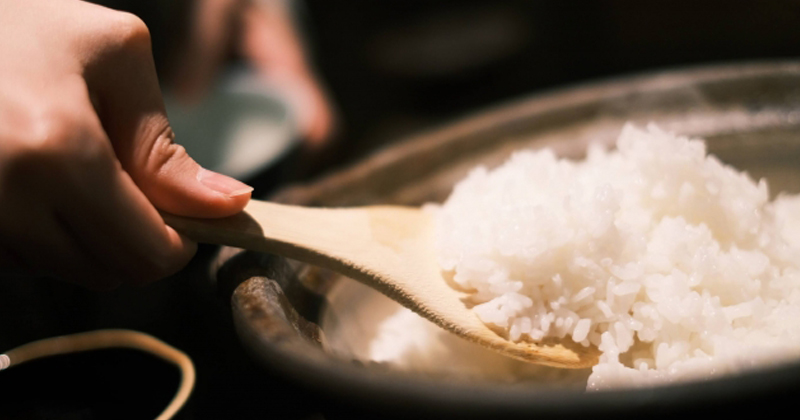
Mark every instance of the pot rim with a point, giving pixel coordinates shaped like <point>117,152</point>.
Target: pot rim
<point>348,381</point>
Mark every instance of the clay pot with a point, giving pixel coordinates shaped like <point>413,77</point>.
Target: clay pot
<point>750,115</point>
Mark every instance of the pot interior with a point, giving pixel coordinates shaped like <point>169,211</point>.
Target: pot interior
<point>749,115</point>
<point>362,324</point>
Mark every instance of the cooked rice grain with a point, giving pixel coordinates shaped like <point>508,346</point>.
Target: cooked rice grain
<point>673,264</point>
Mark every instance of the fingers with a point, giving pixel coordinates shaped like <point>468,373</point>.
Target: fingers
<point>132,111</point>
<point>44,248</point>
<point>270,42</point>
<point>125,232</point>
<point>110,217</point>
<point>311,108</point>
<point>210,31</point>
<point>69,208</point>
<point>71,202</point>
<point>61,256</point>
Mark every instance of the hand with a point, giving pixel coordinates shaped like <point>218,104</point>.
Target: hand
<point>268,40</point>
<point>87,153</point>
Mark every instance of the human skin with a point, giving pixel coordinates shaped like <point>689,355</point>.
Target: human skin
<point>264,34</point>
<point>86,151</point>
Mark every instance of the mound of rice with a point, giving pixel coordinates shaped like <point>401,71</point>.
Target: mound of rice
<point>673,264</point>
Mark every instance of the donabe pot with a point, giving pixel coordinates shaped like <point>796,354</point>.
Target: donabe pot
<point>750,116</point>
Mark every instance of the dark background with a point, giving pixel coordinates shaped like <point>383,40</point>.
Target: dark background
<point>393,68</point>
<point>396,67</point>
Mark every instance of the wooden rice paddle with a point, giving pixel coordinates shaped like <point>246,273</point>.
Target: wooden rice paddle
<point>388,248</point>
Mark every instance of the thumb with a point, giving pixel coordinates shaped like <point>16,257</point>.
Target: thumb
<point>173,181</point>
<point>131,108</point>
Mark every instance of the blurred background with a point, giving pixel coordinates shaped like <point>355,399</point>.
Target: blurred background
<point>280,91</point>
<point>380,71</point>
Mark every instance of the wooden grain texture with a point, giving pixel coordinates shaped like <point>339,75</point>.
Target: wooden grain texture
<point>389,248</point>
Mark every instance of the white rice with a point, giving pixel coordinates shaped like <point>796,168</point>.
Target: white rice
<point>674,265</point>
<point>406,341</point>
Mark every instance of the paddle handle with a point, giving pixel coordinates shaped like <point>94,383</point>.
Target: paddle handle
<point>313,235</point>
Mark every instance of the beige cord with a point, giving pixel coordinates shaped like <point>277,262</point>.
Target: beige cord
<point>104,339</point>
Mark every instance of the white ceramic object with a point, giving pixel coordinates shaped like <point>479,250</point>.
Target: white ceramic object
<point>242,126</point>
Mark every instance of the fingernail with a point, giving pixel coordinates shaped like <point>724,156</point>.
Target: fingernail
<point>222,184</point>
